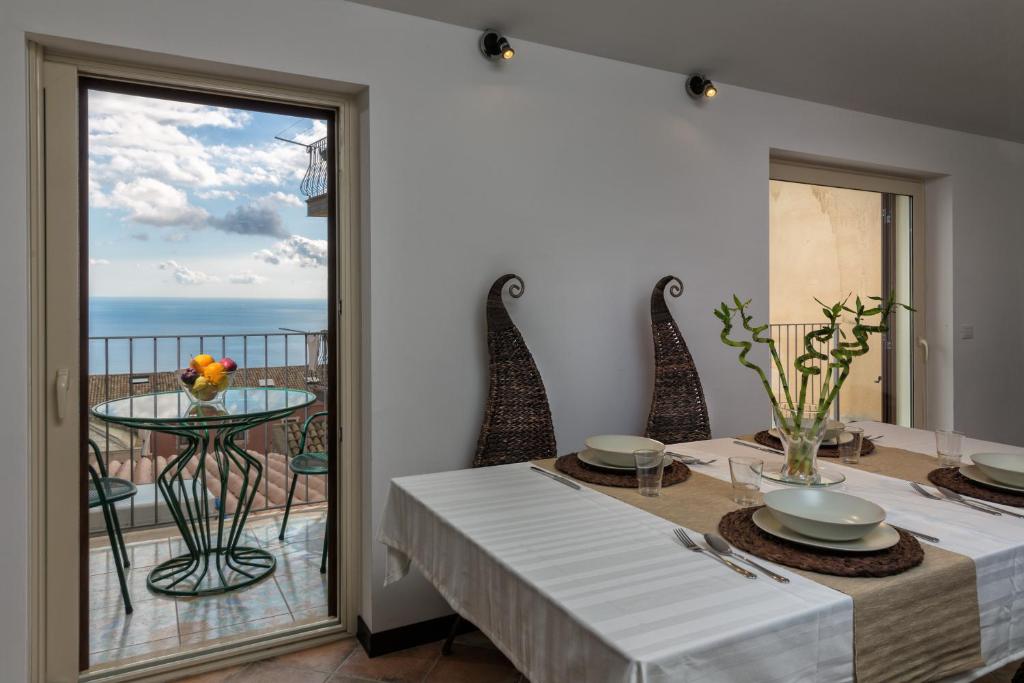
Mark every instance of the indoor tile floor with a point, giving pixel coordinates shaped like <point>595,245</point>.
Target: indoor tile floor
<point>474,660</point>
<point>296,592</point>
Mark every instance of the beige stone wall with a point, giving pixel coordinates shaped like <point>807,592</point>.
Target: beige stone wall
<point>826,242</point>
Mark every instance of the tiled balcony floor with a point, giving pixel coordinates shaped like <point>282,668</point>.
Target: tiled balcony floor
<point>295,593</point>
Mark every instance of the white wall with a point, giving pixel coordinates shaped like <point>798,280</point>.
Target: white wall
<point>590,178</point>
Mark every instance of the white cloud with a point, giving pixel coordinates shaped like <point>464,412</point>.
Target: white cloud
<point>99,262</point>
<point>184,275</point>
<point>246,277</point>
<point>153,202</point>
<point>284,198</point>
<point>303,251</point>
<point>217,194</point>
<point>131,136</point>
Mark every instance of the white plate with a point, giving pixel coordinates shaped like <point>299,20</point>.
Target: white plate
<point>843,437</point>
<point>587,457</point>
<point>883,536</point>
<point>975,473</point>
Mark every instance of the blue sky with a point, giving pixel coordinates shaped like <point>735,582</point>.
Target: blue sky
<point>188,200</point>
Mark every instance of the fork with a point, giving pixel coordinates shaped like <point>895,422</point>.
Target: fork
<point>927,494</point>
<point>690,545</point>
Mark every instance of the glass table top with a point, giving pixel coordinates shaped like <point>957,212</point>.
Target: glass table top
<point>175,406</point>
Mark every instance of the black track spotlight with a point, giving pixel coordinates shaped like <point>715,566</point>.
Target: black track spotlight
<point>700,87</point>
<point>493,45</point>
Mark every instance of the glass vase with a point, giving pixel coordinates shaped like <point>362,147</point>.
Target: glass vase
<point>801,433</point>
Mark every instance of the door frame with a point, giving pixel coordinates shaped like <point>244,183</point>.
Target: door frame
<point>54,554</point>
<point>834,176</point>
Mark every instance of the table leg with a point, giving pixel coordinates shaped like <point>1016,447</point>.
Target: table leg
<point>235,565</point>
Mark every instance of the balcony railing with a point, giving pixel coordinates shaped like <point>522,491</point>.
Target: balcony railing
<point>314,184</point>
<point>130,365</point>
<point>789,342</point>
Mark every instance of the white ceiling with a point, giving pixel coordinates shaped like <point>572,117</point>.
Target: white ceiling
<point>952,63</point>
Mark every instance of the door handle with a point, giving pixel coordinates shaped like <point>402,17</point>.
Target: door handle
<point>923,343</point>
<point>62,386</point>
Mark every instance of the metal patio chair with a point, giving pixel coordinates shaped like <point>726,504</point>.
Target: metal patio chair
<point>304,463</point>
<point>104,492</point>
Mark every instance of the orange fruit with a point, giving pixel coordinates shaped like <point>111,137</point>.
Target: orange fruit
<point>201,361</point>
<point>214,372</point>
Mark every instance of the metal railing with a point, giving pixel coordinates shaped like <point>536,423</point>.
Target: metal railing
<point>789,342</point>
<point>314,183</point>
<point>122,366</point>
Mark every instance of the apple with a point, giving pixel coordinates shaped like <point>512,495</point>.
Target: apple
<point>228,364</point>
<point>189,376</point>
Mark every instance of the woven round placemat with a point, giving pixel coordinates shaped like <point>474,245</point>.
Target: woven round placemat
<point>739,529</point>
<point>951,478</point>
<point>824,451</point>
<point>676,473</point>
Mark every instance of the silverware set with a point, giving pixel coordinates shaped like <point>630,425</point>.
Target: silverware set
<point>720,550</point>
<point>690,460</point>
<point>954,497</point>
<point>691,545</point>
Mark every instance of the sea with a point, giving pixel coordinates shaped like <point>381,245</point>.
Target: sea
<point>141,335</point>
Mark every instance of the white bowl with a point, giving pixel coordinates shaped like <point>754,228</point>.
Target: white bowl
<point>822,514</point>
<point>1006,468</point>
<point>617,450</point>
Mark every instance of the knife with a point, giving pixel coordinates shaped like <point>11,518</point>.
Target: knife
<point>756,447</point>
<point>560,480</point>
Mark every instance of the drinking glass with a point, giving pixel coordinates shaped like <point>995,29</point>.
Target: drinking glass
<point>949,445</point>
<point>849,447</point>
<point>746,479</point>
<point>650,465</point>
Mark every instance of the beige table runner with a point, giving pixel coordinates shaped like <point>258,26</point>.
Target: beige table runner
<point>921,625</point>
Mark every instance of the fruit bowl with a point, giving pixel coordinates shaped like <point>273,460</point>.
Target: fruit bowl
<point>205,380</point>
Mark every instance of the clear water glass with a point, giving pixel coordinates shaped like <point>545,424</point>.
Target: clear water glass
<point>746,479</point>
<point>850,443</point>
<point>650,465</point>
<point>949,446</point>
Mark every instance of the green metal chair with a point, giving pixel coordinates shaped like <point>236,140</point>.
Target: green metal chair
<point>104,491</point>
<point>306,464</point>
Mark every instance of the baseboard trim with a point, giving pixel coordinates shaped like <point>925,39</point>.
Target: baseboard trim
<point>404,637</point>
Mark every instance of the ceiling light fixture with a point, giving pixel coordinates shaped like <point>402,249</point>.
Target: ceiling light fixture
<point>700,86</point>
<point>493,45</point>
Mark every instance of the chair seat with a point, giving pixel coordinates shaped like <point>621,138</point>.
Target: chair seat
<point>309,463</point>
<point>113,488</point>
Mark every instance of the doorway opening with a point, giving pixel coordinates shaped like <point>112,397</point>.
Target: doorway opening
<point>836,234</point>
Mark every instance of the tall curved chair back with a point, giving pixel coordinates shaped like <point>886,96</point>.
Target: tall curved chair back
<point>517,419</point>
<point>678,410</point>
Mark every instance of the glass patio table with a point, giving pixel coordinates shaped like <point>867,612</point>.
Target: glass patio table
<point>210,430</point>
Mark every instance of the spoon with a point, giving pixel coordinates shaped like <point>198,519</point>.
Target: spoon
<point>722,547</point>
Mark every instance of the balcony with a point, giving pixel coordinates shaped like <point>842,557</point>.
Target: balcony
<point>315,183</point>
<point>133,365</point>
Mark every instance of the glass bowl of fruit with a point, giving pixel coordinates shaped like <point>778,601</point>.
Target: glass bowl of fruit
<point>205,380</point>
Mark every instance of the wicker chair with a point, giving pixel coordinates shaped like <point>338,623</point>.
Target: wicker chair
<point>678,410</point>
<point>517,419</point>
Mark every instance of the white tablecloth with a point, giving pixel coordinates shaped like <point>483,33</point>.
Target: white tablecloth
<point>577,586</point>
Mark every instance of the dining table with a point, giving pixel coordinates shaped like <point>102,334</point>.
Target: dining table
<point>591,583</point>
<point>215,559</point>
